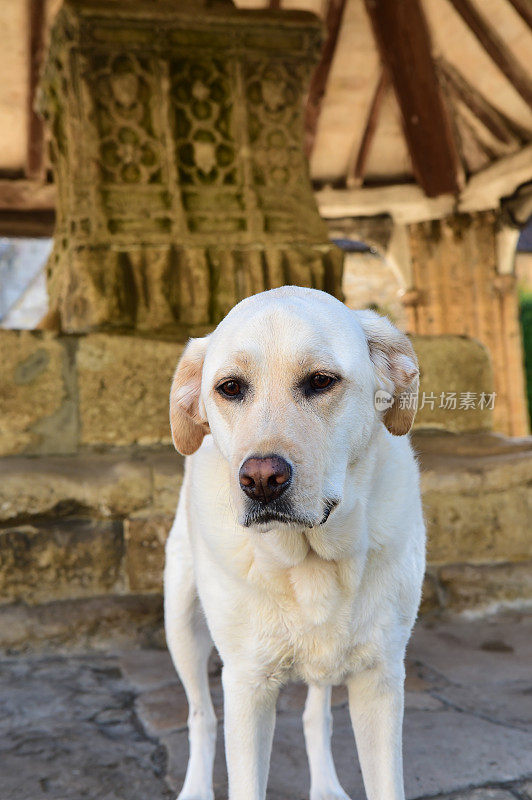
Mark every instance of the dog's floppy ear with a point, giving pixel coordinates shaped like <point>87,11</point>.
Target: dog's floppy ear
<point>188,426</point>
<point>396,366</point>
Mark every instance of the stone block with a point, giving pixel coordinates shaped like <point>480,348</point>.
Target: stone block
<point>429,594</point>
<point>183,221</point>
<point>124,386</point>
<point>59,559</point>
<point>525,791</point>
<point>37,395</point>
<point>167,476</point>
<point>163,710</point>
<point>145,537</point>
<point>484,794</point>
<point>453,365</point>
<point>107,484</point>
<point>148,669</point>
<point>477,497</point>
<point>486,588</point>
<point>483,527</point>
<point>104,623</point>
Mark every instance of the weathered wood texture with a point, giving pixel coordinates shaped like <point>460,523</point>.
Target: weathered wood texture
<point>524,8</point>
<point>23,195</point>
<point>496,48</point>
<point>358,171</point>
<point>35,223</point>
<point>497,123</point>
<point>318,84</point>
<point>403,38</point>
<point>459,290</point>
<point>35,156</point>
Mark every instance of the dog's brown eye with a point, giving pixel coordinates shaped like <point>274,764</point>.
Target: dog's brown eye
<point>230,388</point>
<point>320,381</point>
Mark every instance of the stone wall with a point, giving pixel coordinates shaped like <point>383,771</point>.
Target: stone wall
<point>91,530</point>
<point>85,522</point>
<point>62,393</point>
<point>82,545</point>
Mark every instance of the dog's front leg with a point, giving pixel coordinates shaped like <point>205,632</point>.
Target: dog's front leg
<point>317,727</point>
<point>376,701</point>
<point>249,721</point>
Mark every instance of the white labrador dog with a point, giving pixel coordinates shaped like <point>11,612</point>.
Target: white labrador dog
<point>298,545</point>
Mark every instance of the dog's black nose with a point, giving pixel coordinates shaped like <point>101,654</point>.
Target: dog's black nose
<point>265,479</point>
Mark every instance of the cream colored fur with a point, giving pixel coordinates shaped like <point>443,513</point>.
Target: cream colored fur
<point>324,602</point>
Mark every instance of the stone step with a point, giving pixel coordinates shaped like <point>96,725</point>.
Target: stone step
<point>106,623</point>
<point>93,525</point>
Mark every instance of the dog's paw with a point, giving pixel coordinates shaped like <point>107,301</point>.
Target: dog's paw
<point>187,795</point>
<point>330,794</point>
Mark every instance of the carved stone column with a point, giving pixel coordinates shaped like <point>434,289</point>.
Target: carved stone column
<point>458,287</point>
<point>176,140</point>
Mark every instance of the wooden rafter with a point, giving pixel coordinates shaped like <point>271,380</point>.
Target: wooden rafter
<point>467,130</point>
<point>318,84</point>
<point>35,149</point>
<point>495,48</point>
<point>524,8</point>
<point>402,35</point>
<point>364,149</point>
<point>497,123</point>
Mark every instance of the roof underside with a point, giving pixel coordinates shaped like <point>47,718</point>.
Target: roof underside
<point>426,91</point>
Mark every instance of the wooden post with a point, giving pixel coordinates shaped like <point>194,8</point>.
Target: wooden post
<point>457,288</point>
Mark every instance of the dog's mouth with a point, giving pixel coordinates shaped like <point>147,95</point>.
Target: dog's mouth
<point>283,513</point>
<point>329,506</point>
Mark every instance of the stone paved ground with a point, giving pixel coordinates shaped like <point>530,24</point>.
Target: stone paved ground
<point>113,727</point>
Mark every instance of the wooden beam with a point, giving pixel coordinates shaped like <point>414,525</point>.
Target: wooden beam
<point>359,168</point>
<point>274,5</point>
<point>468,131</point>
<point>32,224</point>
<point>318,84</point>
<point>404,202</point>
<point>524,9</point>
<point>518,207</point>
<point>35,164</point>
<point>496,48</point>
<point>402,35</point>
<point>22,195</point>
<point>496,123</point>
<point>485,189</point>
<point>408,203</point>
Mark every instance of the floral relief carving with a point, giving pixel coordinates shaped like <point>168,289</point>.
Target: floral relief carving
<point>274,122</point>
<point>183,187</point>
<point>124,91</point>
<point>202,105</point>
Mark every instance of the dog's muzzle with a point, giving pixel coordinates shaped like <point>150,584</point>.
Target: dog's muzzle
<point>281,511</point>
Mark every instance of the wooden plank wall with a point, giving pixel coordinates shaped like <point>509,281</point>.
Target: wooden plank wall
<point>459,290</point>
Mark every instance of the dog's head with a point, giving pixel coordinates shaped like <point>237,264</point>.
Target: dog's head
<point>287,386</point>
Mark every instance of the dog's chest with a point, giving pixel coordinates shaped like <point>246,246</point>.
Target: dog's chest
<point>310,628</point>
